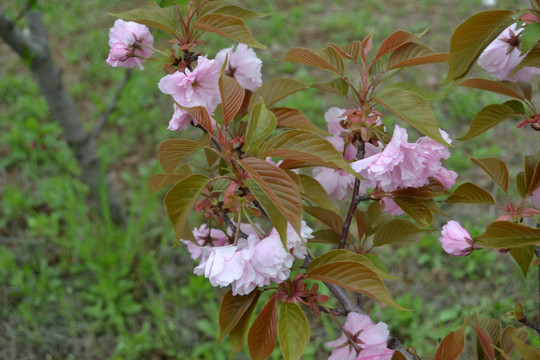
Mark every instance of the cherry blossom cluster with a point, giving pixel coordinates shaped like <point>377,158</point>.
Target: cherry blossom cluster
<point>361,339</point>
<point>252,262</point>
<point>200,87</point>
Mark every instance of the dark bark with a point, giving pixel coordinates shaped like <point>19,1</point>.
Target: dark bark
<point>34,49</point>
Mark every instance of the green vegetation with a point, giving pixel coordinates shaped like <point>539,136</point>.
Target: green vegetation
<point>74,286</point>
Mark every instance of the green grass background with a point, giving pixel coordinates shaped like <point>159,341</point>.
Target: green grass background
<point>74,286</point>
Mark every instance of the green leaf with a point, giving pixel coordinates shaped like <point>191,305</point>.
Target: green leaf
<point>227,26</point>
<point>326,236</point>
<point>149,17</point>
<point>416,208</point>
<point>278,187</point>
<point>523,256</point>
<point>308,147</point>
<point>520,184</point>
<point>412,108</point>
<point>319,59</point>
<point>180,200</point>
<point>356,277</point>
<point>173,151</point>
<point>375,218</point>
<point>532,172</point>
<point>336,86</point>
<point>516,105</point>
<point>530,37</point>
<point>452,345</point>
<point>526,351</point>
<point>426,94</point>
<point>472,37</point>
<point>295,119</point>
<point>394,41</point>
<point>505,234</point>
<point>534,180</point>
<point>293,331</point>
<point>397,231</point>
<point>263,333</point>
<point>261,123</point>
<point>496,169</point>
<point>313,191</point>
<point>275,90</point>
<point>232,97</point>
<point>470,193</point>
<point>159,181</point>
<point>487,118</point>
<point>238,333</point>
<point>500,87</point>
<point>232,309</point>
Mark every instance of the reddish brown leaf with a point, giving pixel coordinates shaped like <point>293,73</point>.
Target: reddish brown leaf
<point>238,333</point>
<point>232,309</point>
<point>263,333</point>
<point>227,26</point>
<point>416,208</point>
<point>201,116</point>
<point>275,90</point>
<point>422,60</point>
<point>505,88</point>
<point>496,169</point>
<point>535,179</point>
<point>484,343</point>
<point>353,49</point>
<point>470,193</point>
<point>328,217</point>
<point>398,356</point>
<point>159,181</point>
<point>294,119</point>
<point>452,345</point>
<point>310,58</point>
<point>394,41</point>
<point>507,344</point>
<point>173,151</point>
<point>232,97</point>
<point>505,234</point>
<point>360,218</point>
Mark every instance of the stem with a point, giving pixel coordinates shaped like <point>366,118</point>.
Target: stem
<point>531,324</point>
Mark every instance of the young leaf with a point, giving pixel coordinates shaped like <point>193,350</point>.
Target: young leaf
<point>470,193</point>
<point>500,87</point>
<point>201,116</point>
<point>336,59</point>
<point>472,37</point>
<point>239,12</point>
<point>397,231</point>
<point>531,172</point>
<point>521,184</point>
<point>353,49</point>
<point>360,219</point>
<point>356,277</point>
<point>530,36</point>
<point>412,108</point>
<point>173,151</point>
<point>507,345</point>
<point>452,345</point>
<point>306,146</point>
<point>311,58</point>
<point>523,256</point>
<point>496,169</point>
<point>421,60</point>
<point>534,181</point>
<point>278,187</point>
<point>275,90</point>
<point>159,181</point>
<point>232,97</point>
<point>227,26</point>
<point>526,351</point>
<point>315,193</point>
<point>492,327</point>
<point>394,41</point>
<point>293,331</point>
<point>416,208</point>
<point>487,118</point>
<point>328,217</point>
<point>505,234</point>
<point>263,333</point>
<point>408,51</point>
<point>232,309</point>
<point>326,236</point>
<point>261,123</point>
<point>238,333</point>
<point>149,17</point>
<point>180,200</point>
<point>375,218</point>
<point>484,344</point>
<point>398,355</point>
<point>426,94</point>
<point>336,86</point>
<point>295,119</point>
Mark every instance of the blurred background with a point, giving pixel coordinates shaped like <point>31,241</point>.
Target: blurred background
<point>73,285</point>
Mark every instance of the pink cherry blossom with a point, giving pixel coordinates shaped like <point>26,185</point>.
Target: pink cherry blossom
<point>336,182</point>
<point>180,119</point>
<point>535,198</point>
<point>369,340</point>
<point>131,43</point>
<point>333,116</point>
<point>204,237</point>
<point>455,240</point>
<point>501,57</point>
<point>195,88</point>
<point>221,265</point>
<point>243,65</point>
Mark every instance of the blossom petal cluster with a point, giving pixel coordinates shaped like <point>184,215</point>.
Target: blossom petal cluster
<point>243,65</point>
<point>369,340</point>
<point>131,43</point>
<point>252,262</point>
<point>402,164</point>
<point>455,240</point>
<point>502,56</point>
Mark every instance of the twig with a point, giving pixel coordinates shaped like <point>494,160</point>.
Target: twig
<point>396,345</point>
<point>531,324</point>
<point>112,104</point>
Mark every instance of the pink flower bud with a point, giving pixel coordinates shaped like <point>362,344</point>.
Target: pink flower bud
<point>455,240</point>
<point>130,44</point>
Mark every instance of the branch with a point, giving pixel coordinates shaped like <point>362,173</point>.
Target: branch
<point>396,345</point>
<point>22,44</point>
<point>112,104</point>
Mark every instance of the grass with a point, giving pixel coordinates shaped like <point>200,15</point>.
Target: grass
<point>74,286</point>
